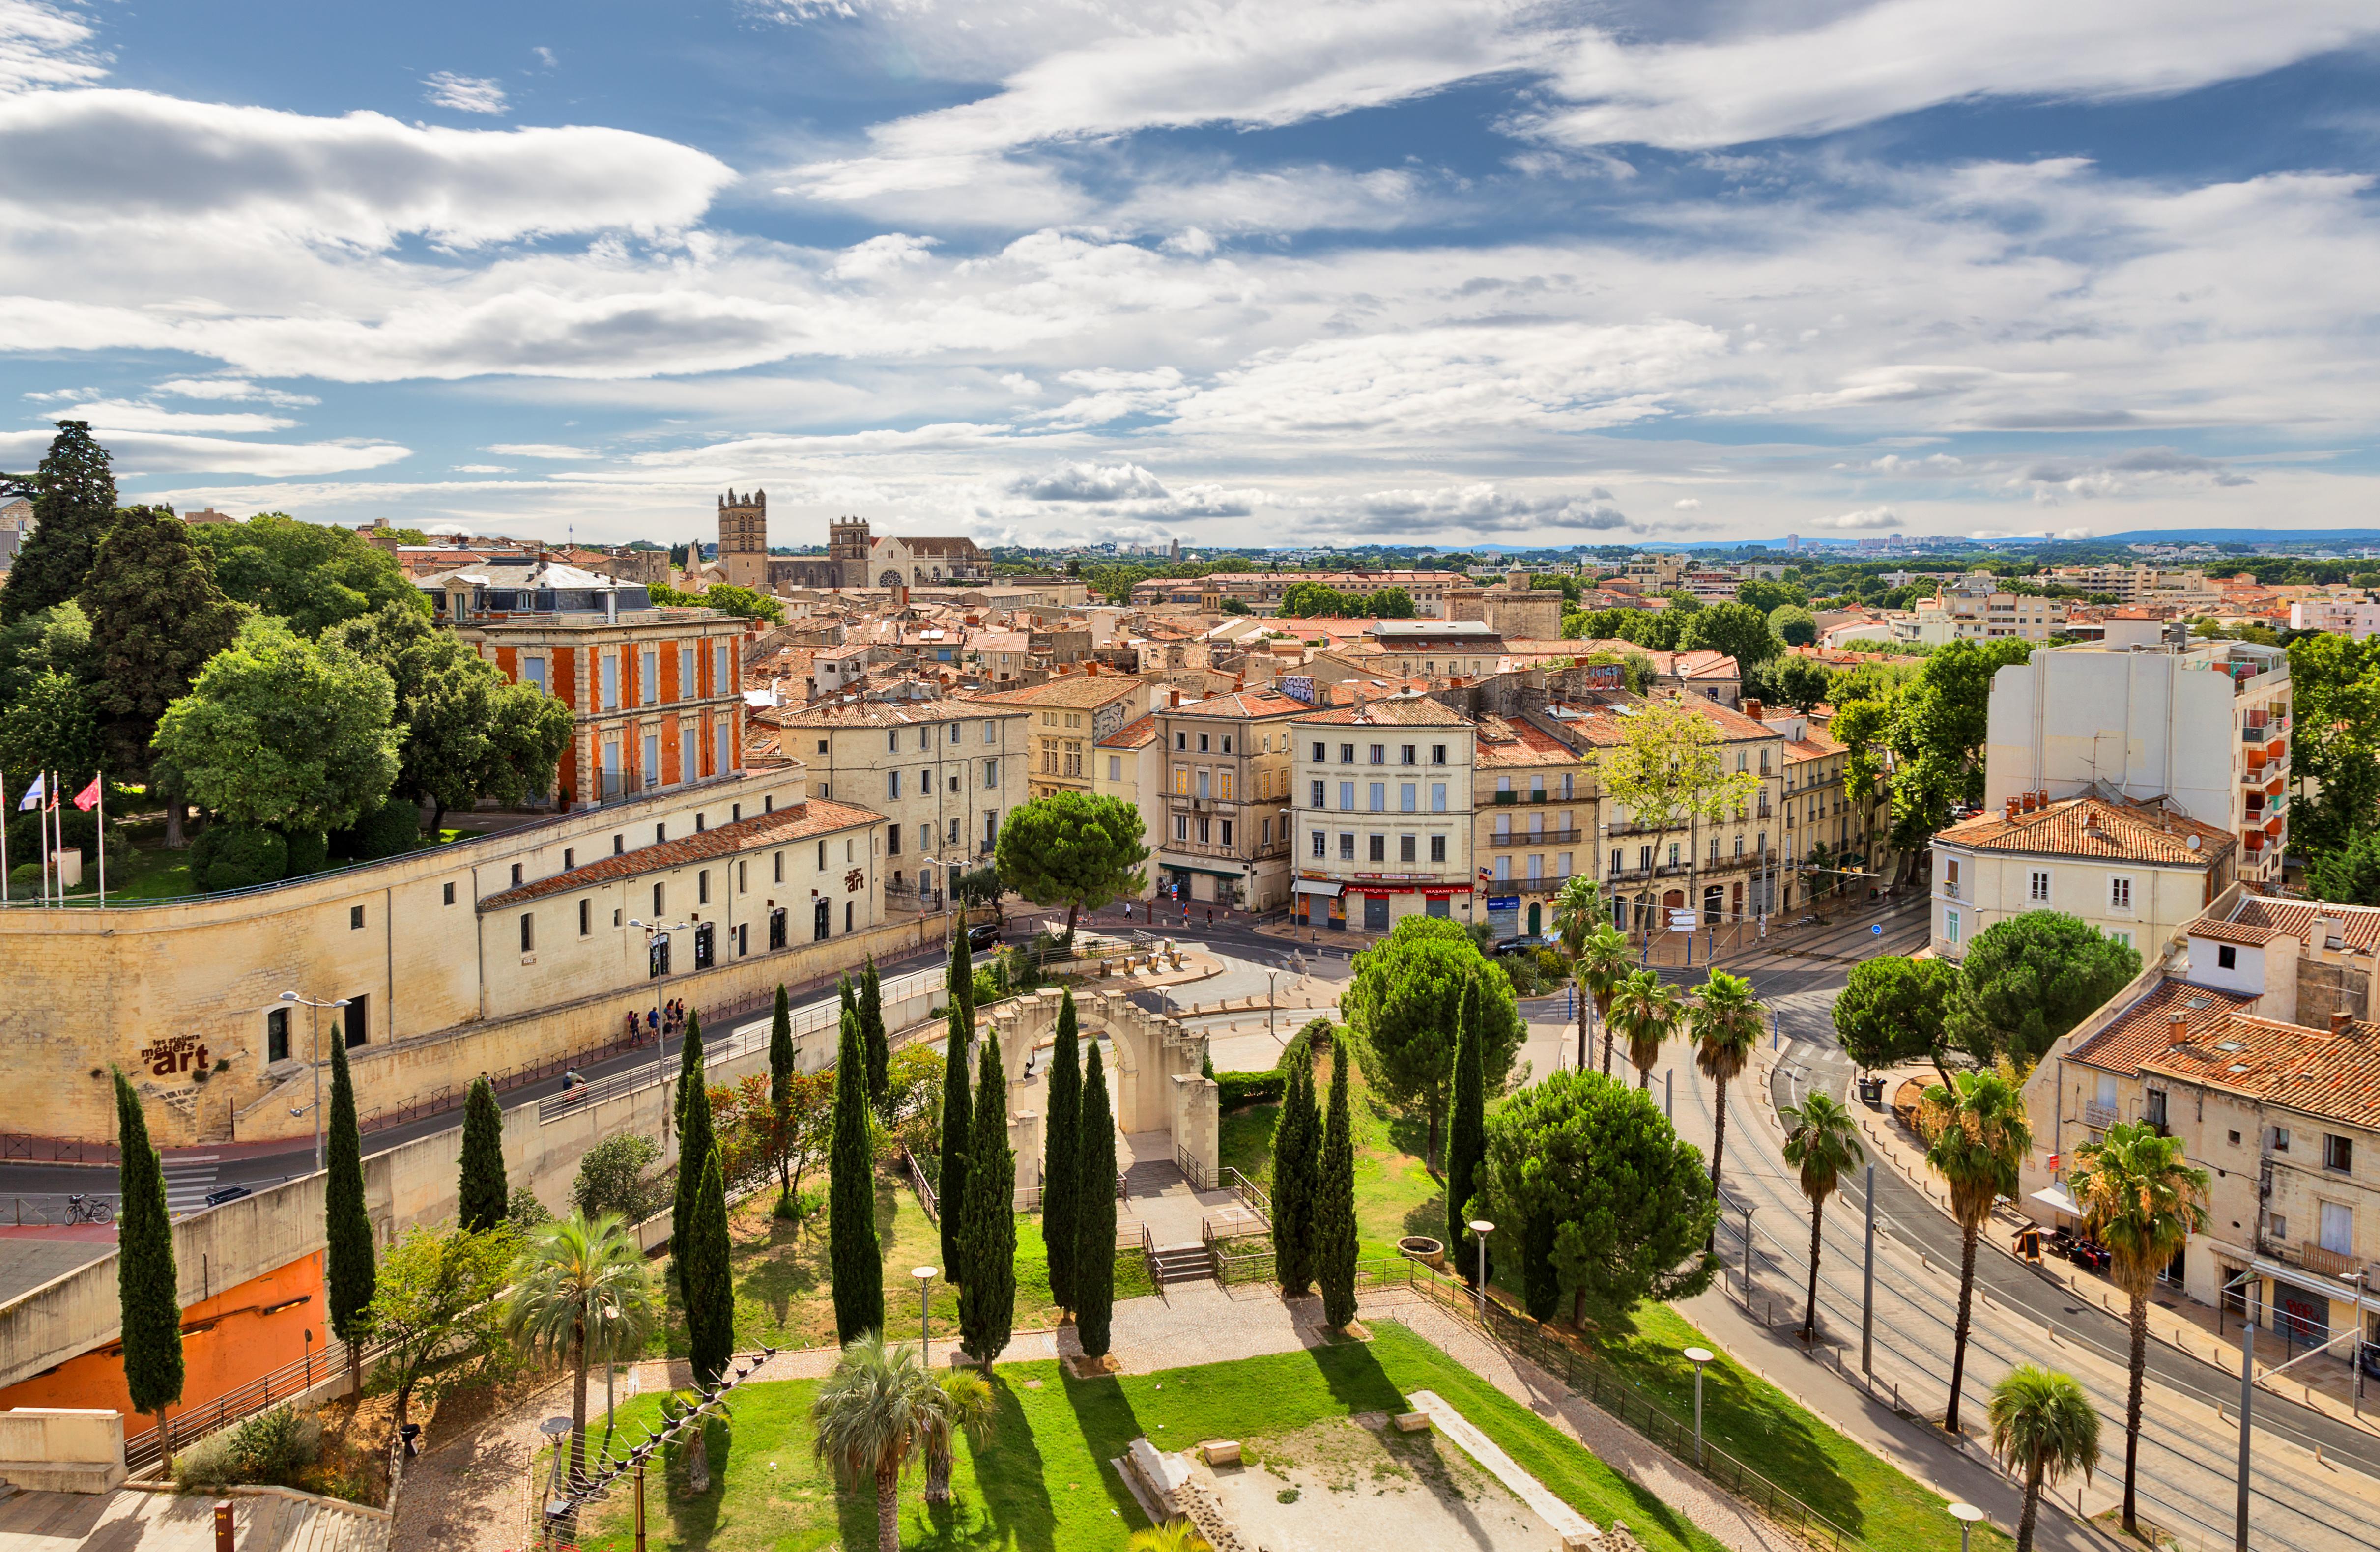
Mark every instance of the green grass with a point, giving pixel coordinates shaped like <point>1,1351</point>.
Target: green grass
<point>1040,1483</point>
<point>1395,1192</point>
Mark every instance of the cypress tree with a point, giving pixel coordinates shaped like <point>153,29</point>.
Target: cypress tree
<point>1467,1127</point>
<point>780,1089</point>
<point>1061,1163</point>
<point>855,1265</point>
<point>958,1117</point>
<point>698,1138</point>
<point>1294,1141</point>
<point>704,1277</point>
<point>871,1029</point>
<point>145,1281</point>
<point>987,1221</point>
<point>1095,1214</point>
<point>483,1195</point>
<point>74,502</point>
<point>961,977</point>
<point>1334,1203</point>
<point>689,1066</point>
<point>348,1224</point>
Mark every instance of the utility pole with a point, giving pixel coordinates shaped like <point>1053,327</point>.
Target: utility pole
<point>1867,1285</point>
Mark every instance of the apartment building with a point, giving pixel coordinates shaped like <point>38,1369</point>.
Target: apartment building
<point>1129,766</point>
<point>1533,821</point>
<point>1433,649</point>
<point>1382,814</point>
<point>1831,834</point>
<point>1069,715</point>
<point>1962,616</point>
<point>2135,871</point>
<point>2204,725</point>
<point>1227,762</point>
<point>2356,617</point>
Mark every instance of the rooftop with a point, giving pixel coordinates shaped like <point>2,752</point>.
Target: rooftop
<point>1077,690</point>
<point>848,712</point>
<point>1402,710</point>
<point>2088,826</point>
<point>796,822</point>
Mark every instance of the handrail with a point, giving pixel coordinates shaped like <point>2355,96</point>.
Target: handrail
<point>141,1450</point>
<point>1251,1195</point>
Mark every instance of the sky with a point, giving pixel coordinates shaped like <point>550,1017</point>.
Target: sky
<point>1436,272</point>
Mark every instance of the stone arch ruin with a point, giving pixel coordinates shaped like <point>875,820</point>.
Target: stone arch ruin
<point>1155,1073</point>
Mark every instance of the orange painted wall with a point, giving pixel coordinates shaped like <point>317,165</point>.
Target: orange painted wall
<point>234,1342</point>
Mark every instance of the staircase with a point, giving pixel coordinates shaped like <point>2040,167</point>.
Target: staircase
<point>1181,1263</point>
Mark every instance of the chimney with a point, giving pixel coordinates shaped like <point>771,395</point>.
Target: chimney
<point>2177,1029</point>
<point>1752,710</point>
<point>2041,797</point>
<point>2026,801</point>
<point>1176,702</point>
<point>2012,808</point>
<point>2340,1020</point>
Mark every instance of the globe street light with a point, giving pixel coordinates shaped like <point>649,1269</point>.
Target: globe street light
<point>658,933</point>
<point>1482,1227</point>
<point>1698,1356</point>
<point>317,1106</point>
<point>925,1276</point>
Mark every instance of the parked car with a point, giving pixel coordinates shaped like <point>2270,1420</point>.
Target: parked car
<point>983,935</point>
<point>1527,943</point>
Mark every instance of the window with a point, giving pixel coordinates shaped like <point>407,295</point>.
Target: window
<point>660,834</point>
<point>2119,894</point>
<point>1438,797</point>
<point>450,894</point>
<point>2155,1110</point>
<point>1318,795</point>
<point>355,918</point>
<point>1116,771</point>
<point>1181,740</point>
<point>2281,1222</point>
<point>528,932</point>
<point>1321,753</point>
<point>649,676</point>
<point>821,862</point>
<point>722,674</point>
<point>2037,886</point>
<point>1346,846</point>
<point>2337,1153</point>
<point>685,688</point>
<point>702,823</point>
<point>1378,848</point>
<point>1949,927</point>
<point>569,858</point>
<point>1379,796</point>
<point>1203,746</point>
<point>1346,754</point>
<point>658,897</point>
<point>1405,848</point>
<point>992,733</point>
<point>1347,794</point>
<point>1227,832</point>
<point>619,845</point>
<point>1438,754</point>
<point>611,681</point>
<point>2281,1139</point>
<point>359,1021</point>
<point>702,886</point>
<point>1265,832</point>
<point>2227,957</point>
<point>778,862</point>
<point>1405,755</point>
<point>1405,797</point>
<point>1673,853</point>
<point>1380,754</point>
<point>1181,827</point>
<point>1618,864</point>
<point>743,877</point>
<point>1437,848</point>
<point>586,917</point>
<point>992,771</point>
<point>1321,847</point>
<point>892,742</point>
<point>891,784</point>
<point>277,1035</point>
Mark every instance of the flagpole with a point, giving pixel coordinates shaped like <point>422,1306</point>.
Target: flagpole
<point>50,806</point>
<point>3,838</point>
<point>99,781</point>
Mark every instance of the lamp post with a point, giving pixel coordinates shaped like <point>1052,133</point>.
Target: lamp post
<point>2247,1398</point>
<point>1482,1228</point>
<point>657,933</point>
<point>1966,1514</point>
<point>925,1276</point>
<point>1698,1356</point>
<point>317,1107</point>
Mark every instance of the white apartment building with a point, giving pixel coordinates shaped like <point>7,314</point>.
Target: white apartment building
<point>1382,825</point>
<point>2204,725</point>
<point>2135,871</point>
<point>2357,618</point>
<point>1128,765</point>
<point>1964,616</point>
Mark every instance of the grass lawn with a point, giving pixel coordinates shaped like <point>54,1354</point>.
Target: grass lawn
<point>1041,1483</point>
<point>782,1294</point>
<point>1395,1192</point>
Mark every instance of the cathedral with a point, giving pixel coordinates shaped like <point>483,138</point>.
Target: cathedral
<point>854,558</point>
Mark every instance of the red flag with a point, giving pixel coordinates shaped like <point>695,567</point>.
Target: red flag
<point>89,796</point>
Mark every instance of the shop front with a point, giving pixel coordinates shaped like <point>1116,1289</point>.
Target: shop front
<point>1320,904</point>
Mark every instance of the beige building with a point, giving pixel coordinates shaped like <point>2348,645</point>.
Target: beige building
<point>1533,821</point>
<point>1070,713</point>
<point>743,539</point>
<point>1731,868</point>
<point>1434,649</point>
<point>2135,871</point>
<point>1227,763</point>
<point>1129,766</point>
<point>1383,813</point>
<point>1963,617</point>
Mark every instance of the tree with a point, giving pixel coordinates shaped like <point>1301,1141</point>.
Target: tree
<point>1667,775</point>
<point>2349,874</point>
<point>1976,1136</point>
<point>1404,1004</point>
<point>611,1179</point>
<point>282,733</point>
<point>698,1138</point>
<point>482,1193</point>
<point>147,1291</point>
<point>1821,1141</point>
<point>311,575</point>
<point>1793,625</point>
<point>1894,1009</point>
<point>1095,1220</point>
<point>690,1073</point>
<point>1601,965</point>
<point>1591,1179</point>
<point>1789,680</point>
<point>1646,1010</point>
<point>958,1120</point>
<point>1072,849</point>
<point>1296,1141</point>
<point>706,1280</point>
<point>2142,1199</point>
<point>988,1220</point>
<point>782,1077</point>
<point>1393,604</point>
<point>967,1406</point>
<point>1334,1202</point>
<point>1726,1024</point>
<point>1737,629</point>
<point>1179,1536</point>
<point>2043,1426</point>
<point>878,1407</point>
<point>436,1300</point>
<point>871,1030</point>
<point>856,1266</point>
<point>2028,980</point>
<point>51,725</point>
<point>744,603</point>
<point>1062,1150</point>
<point>74,502</point>
<point>2334,683</point>
<point>156,618</point>
<point>1936,734</point>
<point>1578,912</point>
<point>578,1290</point>
<point>1466,1138</point>
<point>347,1264</point>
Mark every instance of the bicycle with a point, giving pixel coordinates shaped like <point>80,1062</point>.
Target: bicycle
<point>89,1209</point>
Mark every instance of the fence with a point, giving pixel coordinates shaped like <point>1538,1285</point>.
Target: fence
<point>55,1150</point>
<point>141,1450</point>
<point>440,1102</point>
<point>54,1210</point>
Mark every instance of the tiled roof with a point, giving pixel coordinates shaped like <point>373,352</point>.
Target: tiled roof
<point>2316,1072</point>
<point>1503,743</point>
<point>1078,690</point>
<point>1242,703</point>
<point>797,822</point>
<point>2094,826</point>
<point>1732,724</point>
<point>1402,710</point>
<point>881,713</point>
<point>2261,918</point>
<point>1136,735</point>
<point>2144,1029</point>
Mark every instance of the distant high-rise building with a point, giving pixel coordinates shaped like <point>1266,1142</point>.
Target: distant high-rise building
<point>743,539</point>
<point>1792,544</point>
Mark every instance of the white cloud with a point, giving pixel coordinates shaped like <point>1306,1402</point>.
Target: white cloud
<point>472,94</point>
<point>1865,517</point>
<point>1075,482</point>
<point>145,452</point>
<point>121,414</point>
<point>483,469</point>
<point>2115,476</point>
<point>1687,503</point>
<point>882,256</point>
<point>1484,507</point>
<point>1017,382</point>
<point>235,388</point>
<point>540,450</point>
<point>44,45</point>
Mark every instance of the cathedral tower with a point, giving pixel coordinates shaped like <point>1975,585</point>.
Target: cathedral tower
<point>847,546</point>
<point>743,539</point>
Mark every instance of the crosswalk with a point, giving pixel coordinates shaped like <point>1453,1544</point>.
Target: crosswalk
<point>187,1180</point>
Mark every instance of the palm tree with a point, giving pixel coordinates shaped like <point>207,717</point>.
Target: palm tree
<point>967,1407</point>
<point>879,1406</point>
<point>1578,905</point>
<point>1646,1008</point>
<point>2141,1198</point>
<point>1601,963</point>
<point>1976,1135</point>
<point>1822,1142</point>
<point>1726,1024</point>
<point>2043,1426</point>
<point>579,1288</point>
<point>1178,1536</point>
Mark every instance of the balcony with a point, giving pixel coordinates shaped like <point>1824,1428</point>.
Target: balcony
<point>2098,1117</point>
<point>1533,837</point>
<point>1949,889</point>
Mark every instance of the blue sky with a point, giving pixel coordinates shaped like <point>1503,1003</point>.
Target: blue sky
<point>1447,271</point>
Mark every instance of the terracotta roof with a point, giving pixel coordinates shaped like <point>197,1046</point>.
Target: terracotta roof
<point>2335,1076</point>
<point>1242,703</point>
<point>881,713</point>
<point>1402,710</point>
<point>2260,918</point>
<point>1136,735</point>
<point>2144,1029</point>
<point>1077,690</point>
<point>799,821</point>
<point>1503,743</point>
<point>2094,826</point>
<point>1732,724</point>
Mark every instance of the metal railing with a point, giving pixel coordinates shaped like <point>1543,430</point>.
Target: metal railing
<point>57,1210</point>
<point>181,1426</point>
<point>55,1150</point>
<point>1192,1171</point>
<point>1251,1195</point>
<point>925,1189</point>
<point>1532,837</point>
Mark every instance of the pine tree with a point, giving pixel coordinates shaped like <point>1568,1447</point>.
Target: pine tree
<point>1061,1163</point>
<point>704,1280</point>
<point>698,1139</point>
<point>482,1193</point>
<point>1095,1214</point>
<point>781,1088</point>
<point>855,1265</point>
<point>871,1029</point>
<point>156,617</point>
<point>987,1221</point>
<point>958,1118</point>
<point>347,1222</point>
<point>74,503</point>
<point>145,1282</point>
<point>1294,1143</point>
<point>689,1067</point>
<point>1467,1127</point>
<point>1334,1203</point>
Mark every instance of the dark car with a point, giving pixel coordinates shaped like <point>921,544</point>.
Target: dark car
<point>983,935</point>
<point>223,1193</point>
<point>1527,942</point>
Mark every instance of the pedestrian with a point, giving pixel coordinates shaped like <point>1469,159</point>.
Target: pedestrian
<point>1210,916</point>
<point>654,1022</point>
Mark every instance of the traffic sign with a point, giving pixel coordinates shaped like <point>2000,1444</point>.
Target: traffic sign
<point>1876,927</point>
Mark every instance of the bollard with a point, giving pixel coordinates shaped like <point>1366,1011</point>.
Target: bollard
<point>223,1525</point>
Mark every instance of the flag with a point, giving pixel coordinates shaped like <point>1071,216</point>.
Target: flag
<point>33,798</point>
<point>89,796</point>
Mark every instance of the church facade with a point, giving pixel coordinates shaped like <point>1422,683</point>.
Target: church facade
<point>855,558</point>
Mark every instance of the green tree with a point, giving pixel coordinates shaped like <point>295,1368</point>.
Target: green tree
<point>2028,980</point>
<point>2141,1199</point>
<point>50,726</point>
<point>871,1030</point>
<point>347,1264</point>
<point>968,1406</point>
<point>1072,849</point>
<point>690,1075</point>
<point>579,1287</point>
<point>1726,1024</point>
<point>1894,1009</point>
<point>856,1266</point>
<point>1667,773</point>
<point>1769,596</point>
<point>1587,1173</point>
<point>436,1301</point>
<point>1821,1142</point>
<point>2335,684</point>
<point>611,1179</point>
<point>1976,1137</point>
<point>1789,680</point>
<point>706,1279</point>
<point>2348,874</point>
<point>1334,1202</point>
<point>988,1220</point>
<point>1578,910</point>
<point>1404,1003</point>
<point>282,733</point>
<point>1646,1010</point>
<point>1062,1151</point>
<point>744,603</point>
<point>1466,1139</point>
<point>1296,1142</point>
<point>876,1409</point>
<point>1095,1220</point>
<point>311,575</point>
<point>147,1291</point>
<point>156,618</point>
<point>698,1139</point>
<point>74,502</point>
<point>958,1120</point>
<point>1602,963</point>
<point>1737,629</point>
<point>2043,1426</point>
<point>56,641</point>
<point>1793,625</point>
<point>1936,736</point>
<point>1393,604</point>
<point>782,1078</point>
<point>482,1193</point>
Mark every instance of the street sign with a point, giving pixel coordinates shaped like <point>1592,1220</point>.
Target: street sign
<point>1876,927</point>
<point>1503,903</point>
<point>1682,920</point>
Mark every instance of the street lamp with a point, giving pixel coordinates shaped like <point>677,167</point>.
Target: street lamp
<point>658,933</point>
<point>317,1106</point>
<point>2248,1303</point>
<point>1482,1228</point>
<point>1966,1514</point>
<point>925,1276</point>
<point>1698,1356</point>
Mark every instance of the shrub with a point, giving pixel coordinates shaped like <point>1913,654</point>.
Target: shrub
<point>80,830</point>
<point>611,1179</point>
<point>308,853</point>
<point>272,1447</point>
<point>385,831</point>
<point>238,856</point>
<point>524,1211</point>
<point>1251,1088</point>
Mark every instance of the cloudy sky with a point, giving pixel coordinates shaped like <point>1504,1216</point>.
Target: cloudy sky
<point>1449,271</point>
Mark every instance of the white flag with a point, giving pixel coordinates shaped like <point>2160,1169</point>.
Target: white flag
<point>33,798</point>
